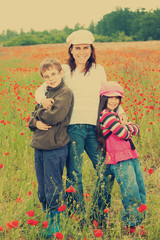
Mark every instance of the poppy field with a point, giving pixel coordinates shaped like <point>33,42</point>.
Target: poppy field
<point>136,66</point>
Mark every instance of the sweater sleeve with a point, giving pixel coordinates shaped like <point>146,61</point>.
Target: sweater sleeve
<point>109,121</point>
<point>62,104</point>
<point>133,128</point>
<point>40,92</point>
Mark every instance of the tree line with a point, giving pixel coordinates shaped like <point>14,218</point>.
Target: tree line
<point>119,25</point>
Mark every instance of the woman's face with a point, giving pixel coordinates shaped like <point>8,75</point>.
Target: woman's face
<point>113,102</point>
<point>81,53</point>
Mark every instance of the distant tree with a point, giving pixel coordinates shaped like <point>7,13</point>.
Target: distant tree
<point>150,26</point>
<point>91,27</point>
<point>78,27</point>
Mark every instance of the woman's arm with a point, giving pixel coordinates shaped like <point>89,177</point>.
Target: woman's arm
<point>40,92</point>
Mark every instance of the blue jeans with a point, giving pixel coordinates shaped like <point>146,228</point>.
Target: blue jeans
<point>49,165</point>
<point>82,137</point>
<point>130,179</point>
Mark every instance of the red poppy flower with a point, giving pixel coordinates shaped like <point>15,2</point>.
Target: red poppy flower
<point>70,189</point>
<point>45,224</point>
<point>58,235</point>
<point>142,208</point>
<point>106,210</point>
<point>145,169</point>
<point>1,165</point>
<point>62,208</point>
<point>1,228</point>
<point>35,223</point>
<point>30,222</point>
<point>150,171</point>
<point>19,200</point>
<point>12,224</point>
<point>95,223</point>
<point>29,193</point>
<point>6,153</point>
<point>98,233</point>
<point>74,216</point>
<point>15,223</point>
<point>30,213</point>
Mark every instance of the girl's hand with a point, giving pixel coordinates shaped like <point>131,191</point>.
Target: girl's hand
<point>47,103</point>
<point>123,118</point>
<point>42,126</point>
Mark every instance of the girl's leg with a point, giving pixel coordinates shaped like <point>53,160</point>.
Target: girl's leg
<point>74,165</point>
<point>126,177</point>
<point>40,176</point>
<point>140,181</point>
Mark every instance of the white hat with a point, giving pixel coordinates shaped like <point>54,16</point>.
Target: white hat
<point>80,37</point>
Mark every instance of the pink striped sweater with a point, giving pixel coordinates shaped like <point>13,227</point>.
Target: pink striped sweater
<point>118,148</point>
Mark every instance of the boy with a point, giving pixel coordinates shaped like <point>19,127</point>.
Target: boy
<point>50,139</point>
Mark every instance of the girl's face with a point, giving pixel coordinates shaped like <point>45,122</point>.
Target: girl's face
<point>81,53</point>
<point>113,102</point>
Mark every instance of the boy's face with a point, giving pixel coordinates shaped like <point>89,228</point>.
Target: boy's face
<point>53,77</point>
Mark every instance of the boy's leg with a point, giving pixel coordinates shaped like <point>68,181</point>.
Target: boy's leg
<point>105,180</point>
<point>54,162</point>
<point>126,177</point>
<point>40,176</point>
<point>74,166</point>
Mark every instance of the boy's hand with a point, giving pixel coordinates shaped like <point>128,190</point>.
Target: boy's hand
<point>42,126</point>
<point>47,103</point>
<point>123,118</point>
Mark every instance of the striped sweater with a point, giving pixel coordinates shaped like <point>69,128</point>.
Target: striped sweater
<point>118,149</point>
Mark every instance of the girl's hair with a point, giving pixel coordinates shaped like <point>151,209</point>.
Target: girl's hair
<point>99,134</point>
<point>71,60</point>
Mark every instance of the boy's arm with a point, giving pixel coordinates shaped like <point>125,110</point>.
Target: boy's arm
<point>62,105</point>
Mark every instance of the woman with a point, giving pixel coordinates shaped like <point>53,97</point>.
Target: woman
<point>85,78</point>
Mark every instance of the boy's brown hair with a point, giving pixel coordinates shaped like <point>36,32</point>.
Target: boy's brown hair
<point>49,63</point>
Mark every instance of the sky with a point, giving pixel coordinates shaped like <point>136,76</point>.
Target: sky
<point>56,14</point>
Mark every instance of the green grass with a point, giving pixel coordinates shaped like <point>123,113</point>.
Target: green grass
<point>139,75</point>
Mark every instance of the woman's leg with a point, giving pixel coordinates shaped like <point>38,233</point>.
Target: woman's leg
<point>74,165</point>
<point>105,177</point>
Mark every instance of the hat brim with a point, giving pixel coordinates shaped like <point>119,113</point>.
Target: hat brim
<point>112,94</point>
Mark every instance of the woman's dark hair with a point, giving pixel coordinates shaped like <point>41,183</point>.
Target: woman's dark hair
<point>71,60</point>
<point>99,134</point>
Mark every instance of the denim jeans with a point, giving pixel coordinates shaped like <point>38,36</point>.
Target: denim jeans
<point>82,137</point>
<point>49,165</point>
<point>130,179</point>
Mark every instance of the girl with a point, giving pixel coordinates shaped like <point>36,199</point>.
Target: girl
<point>85,78</point>
<point>121,155</point>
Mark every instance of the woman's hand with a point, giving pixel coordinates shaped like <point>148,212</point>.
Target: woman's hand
<point>123,118</point>
<point>47,102</point>
<point>42,126</point>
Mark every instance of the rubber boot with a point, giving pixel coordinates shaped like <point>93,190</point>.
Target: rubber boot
<point>53,219</point>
